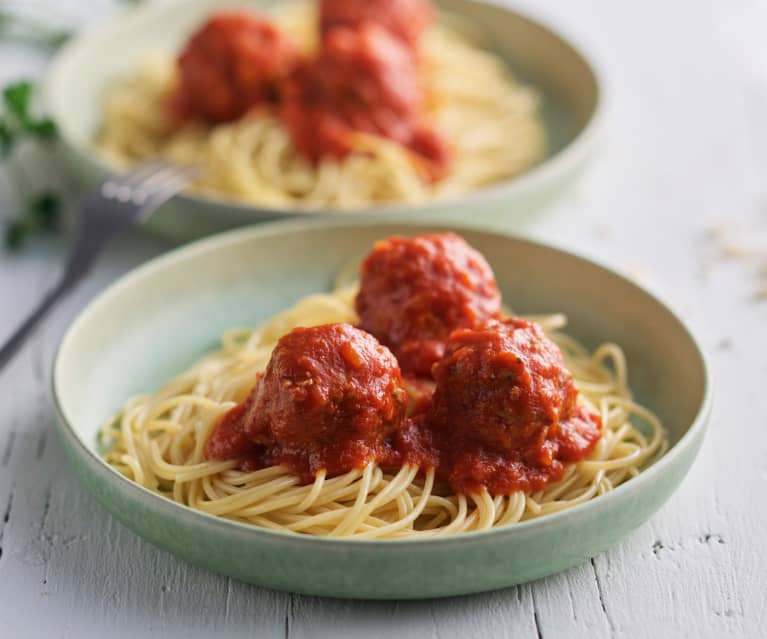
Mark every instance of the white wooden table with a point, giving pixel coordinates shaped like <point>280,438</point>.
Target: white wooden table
<point>685,153</point>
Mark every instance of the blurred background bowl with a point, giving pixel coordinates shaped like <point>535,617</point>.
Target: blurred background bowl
<point>84,70</point>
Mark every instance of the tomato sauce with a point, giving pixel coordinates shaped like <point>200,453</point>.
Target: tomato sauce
<point>235,62</point>
<point>329,398</point>
<point>404,19</point>
<point>505,410</point>
<point>500,412</point>
<point>362,80</point>
<point>415,291</point>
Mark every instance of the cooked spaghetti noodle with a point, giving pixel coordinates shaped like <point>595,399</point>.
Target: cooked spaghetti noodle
<point>158,440</point>
<point>491,123</point>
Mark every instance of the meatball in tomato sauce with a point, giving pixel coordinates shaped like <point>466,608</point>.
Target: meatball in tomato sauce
<point>505,409</point>
<point>233,63</point>
<point>330,397</point>
<point>361,81</point>
<point>415,291</point>
<point>404,19</point>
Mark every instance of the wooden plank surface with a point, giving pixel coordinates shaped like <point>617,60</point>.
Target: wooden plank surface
<point>677,197</point>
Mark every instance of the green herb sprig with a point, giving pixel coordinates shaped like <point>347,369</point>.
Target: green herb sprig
<point>18,122</point>
<point>42,214</point>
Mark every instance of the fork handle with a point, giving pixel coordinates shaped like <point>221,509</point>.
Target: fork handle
<point>67,282</point>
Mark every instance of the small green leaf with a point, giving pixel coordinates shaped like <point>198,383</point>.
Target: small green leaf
<point>16,233</point>
<point>45,128</point>
<point>18,100</point>
<point>17,121</point>
<point>17,97</point>
<point>7,138</point>
<point>45,210</point>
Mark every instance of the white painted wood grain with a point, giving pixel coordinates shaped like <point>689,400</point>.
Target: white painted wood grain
<point>686,149</point>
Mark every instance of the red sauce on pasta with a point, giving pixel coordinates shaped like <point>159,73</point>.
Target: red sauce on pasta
<point>501,412</point>
<point>404,19</point>
<point>415,291</point>
<point>232,64</point>
<point>504,410</point>
<point>330,397</point>
<point>364,78</point>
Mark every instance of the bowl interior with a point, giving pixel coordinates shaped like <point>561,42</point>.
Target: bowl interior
<point>84,70</point>
<point>161,318</point>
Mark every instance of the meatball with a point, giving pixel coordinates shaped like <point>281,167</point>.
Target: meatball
<point>234,63</point>
<point>361,80</point>
<point>505,408</point>
<point>404,19</point>
<point>415,291</point>
<point>329,398</point>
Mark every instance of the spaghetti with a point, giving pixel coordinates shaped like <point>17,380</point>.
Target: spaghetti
<point>491,124</point>
<point>158,442</point>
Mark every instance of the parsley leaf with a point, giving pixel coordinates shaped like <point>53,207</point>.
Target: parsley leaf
<point>44,128</point>
<point>18,102</point>
<point>16,234</point>
<point>17,98</point>
<point>42,214</point>
<point>17,122</point>
<point>45,210</point>
<point>7,138</point>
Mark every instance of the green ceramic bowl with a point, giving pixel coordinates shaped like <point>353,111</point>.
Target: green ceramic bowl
<point>84,69</point>
<point>159,319</point>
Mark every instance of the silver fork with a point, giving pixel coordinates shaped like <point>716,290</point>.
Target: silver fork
<point>118,204</point>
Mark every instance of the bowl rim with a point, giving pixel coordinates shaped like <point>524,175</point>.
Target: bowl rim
<point>535,178</point>
<point>216,242</point>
